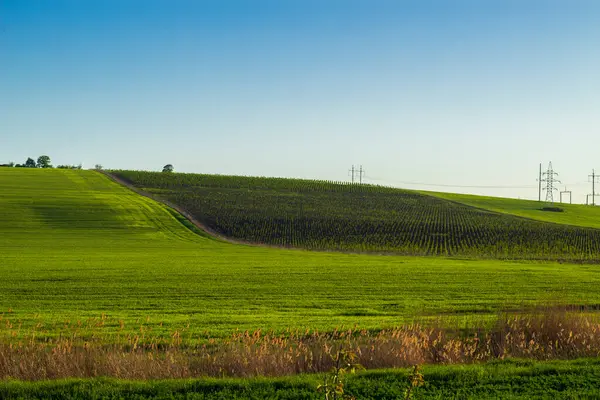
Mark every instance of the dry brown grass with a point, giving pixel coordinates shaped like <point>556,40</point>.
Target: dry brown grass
<point>550,334</point>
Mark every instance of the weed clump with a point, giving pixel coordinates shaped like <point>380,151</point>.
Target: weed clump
<point>546,335</point>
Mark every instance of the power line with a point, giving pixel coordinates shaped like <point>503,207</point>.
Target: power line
<point>540,184</point>
<point>570,195</point>
<point>550,181</point>
<point>361,172</point>
<point>542,178</point>
<point>594,177</point>
<point>451,186</point>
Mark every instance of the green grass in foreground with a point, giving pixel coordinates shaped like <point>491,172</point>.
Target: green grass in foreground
<point>75,246</point>
<point>511,379</point>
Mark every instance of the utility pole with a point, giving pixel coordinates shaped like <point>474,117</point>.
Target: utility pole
<point>549,178</point>
<point>540,184</point>
<point>593,176</point>
<point>361,172</point>
<point>570,195</point>
<point>352,170</point>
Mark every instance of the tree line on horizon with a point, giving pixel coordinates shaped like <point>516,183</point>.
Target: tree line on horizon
<point>43,161</point>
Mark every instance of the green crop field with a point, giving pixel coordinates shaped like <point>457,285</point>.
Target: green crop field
<point>363,218</point>
<point>75,245</point>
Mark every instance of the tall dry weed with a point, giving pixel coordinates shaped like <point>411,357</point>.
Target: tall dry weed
<point>541,335</point>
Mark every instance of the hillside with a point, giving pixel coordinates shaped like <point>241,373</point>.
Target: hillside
<point>573,214</point>
<point>82,207</point>
<point>81,255</point>
<point>336,216</point>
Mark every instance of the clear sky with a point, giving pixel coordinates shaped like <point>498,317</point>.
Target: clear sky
<point>468,93</point>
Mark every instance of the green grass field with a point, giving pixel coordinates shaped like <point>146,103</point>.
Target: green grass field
<point>75,245</point>
<point>578,379</point>
<point>84,259</point>
<point>363,218</point>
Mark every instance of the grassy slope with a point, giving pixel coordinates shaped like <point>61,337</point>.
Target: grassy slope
<point>497,380</point>
<point>74,245</point>
<point>574,214</point>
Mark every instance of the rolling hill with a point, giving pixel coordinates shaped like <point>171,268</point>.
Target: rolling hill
<point>319,215</point>
<point>82,255</point>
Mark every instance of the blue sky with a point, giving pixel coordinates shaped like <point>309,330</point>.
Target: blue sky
<point>465,93</point>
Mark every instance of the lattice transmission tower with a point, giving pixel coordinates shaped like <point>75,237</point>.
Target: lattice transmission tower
<point>550,178</point>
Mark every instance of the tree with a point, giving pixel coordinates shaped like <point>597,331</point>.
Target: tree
<point>98,167</point>
<point>30,163</point>
<point>168,168</point>
<point>43,162</point>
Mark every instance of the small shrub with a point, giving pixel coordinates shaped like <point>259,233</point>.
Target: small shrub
<point>552,209</point>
